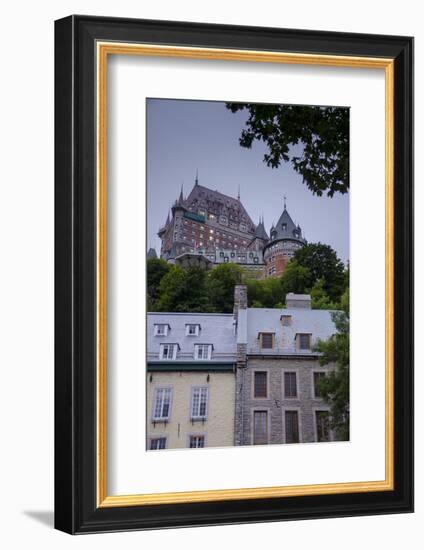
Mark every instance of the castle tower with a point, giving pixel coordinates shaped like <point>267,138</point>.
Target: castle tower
<point>285,239</point>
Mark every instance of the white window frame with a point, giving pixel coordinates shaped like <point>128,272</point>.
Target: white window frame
<point>203,391</point>
<point>174,351</point>
<point>162,391</point>
<point>157,438</point>
<point>196,435</point>
<point>196,329</point>
<point>160,325</point>
<point>198,347</point>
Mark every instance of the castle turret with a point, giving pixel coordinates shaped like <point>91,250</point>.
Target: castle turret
<point>285,238</point>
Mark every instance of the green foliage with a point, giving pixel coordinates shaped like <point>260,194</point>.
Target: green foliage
<point>334,387</point>
<point>296,278</point>
<point>314,139</point>
<point>220,286</point>
<point>156,270</point>
<point>183,290</point>
<point>322,263</point>
<point>265,293</point>
<point>320,299</point>
<point>315,269</point>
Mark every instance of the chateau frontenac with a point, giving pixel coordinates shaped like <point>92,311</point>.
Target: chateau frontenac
<point>209,228</point>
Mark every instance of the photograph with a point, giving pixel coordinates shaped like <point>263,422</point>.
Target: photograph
<point>247,274</point>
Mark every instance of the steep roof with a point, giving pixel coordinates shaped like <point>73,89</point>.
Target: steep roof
<point>317,322</point>
<point>260,231</point>
<point>286,229</point>
<point>219,203</point>
<point>215,328</point>
<point>151,254</point>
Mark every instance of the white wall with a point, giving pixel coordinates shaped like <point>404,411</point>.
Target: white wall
<point>26,290</point>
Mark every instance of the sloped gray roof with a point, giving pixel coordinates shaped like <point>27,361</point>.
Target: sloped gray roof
<point>286,229</point>
<point>317,322</point>
<point>260,231</point>
<point>215,328</point>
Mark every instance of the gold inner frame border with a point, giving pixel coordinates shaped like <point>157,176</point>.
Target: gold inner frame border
<point>103,50</point>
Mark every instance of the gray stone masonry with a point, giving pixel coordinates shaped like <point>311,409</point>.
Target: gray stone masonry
<point>275,403</point>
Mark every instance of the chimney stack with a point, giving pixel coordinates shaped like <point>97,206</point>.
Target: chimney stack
<point>299,301</point>
<point>240,299</point>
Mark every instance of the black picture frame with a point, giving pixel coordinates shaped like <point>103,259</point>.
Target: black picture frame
<point>76,510</point>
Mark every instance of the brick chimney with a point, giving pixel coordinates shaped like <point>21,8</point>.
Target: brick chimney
<point>240,299</point>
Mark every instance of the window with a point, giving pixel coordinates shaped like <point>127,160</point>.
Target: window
<point>199,403</point>
<point>157,443</point>
<point>203,351</point>
<point>221,254</point>
<point>168,351</point>
<point>284,226</point>
<point>226,259</point>
<point>290,385</point>
<point>304,341</point>
<point>260,427</point>
<point>250,254</point>
<point>197,441</point>
<point>255,260</point>
<point>322,419</point>
<point>232,254</point>
<point>286,320</point>
<point>162,406</point>
<point>267,340</point>
<point>192,330</point>
<point>318,376</point>
<point>161,329</point>
<point>260,384</point>
<point>292,426</point>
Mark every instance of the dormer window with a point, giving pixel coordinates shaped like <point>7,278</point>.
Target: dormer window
<point>286,320</point>
<point>203,352</point>
<point>161,329</point>
<point>192,330</point>
<point>284,226</point>
<point>266,340</point>
<point>168,352</point>
<point>304,341</point>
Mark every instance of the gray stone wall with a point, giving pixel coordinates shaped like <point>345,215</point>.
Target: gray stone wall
<point>275,403</point>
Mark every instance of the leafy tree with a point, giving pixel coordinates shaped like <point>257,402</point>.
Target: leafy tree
<point>184,290</point>
<point>220,286</point>
<point>156,270</point>
<point>322,263</point>
<point>334,387</point>
<point>296,278</point>
<point>320,299</point>
<point>314,139</point>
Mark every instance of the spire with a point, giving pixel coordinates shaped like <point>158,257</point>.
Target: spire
<point>181,199</point>
<point>238,193</point>
<point>285,207</point>
<point>167,220</point>
<point>196,181</point>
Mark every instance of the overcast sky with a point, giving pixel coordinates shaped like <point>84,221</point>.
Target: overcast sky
<point>185,136</point>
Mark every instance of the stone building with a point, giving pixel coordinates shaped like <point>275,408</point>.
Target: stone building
<point>190,380</point>
<point>277,393</point>
<point>217,227</point>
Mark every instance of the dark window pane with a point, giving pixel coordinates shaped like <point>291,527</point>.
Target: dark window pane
<point>318,376</point>
<point>290,386</point>
<point>260,384</point>
<point>292,427</point>
<point>304,341</point>
<point>267,339</point>
<point>260,428</point>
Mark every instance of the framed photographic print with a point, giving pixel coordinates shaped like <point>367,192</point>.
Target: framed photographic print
<point>233,274</point>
